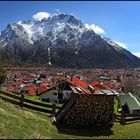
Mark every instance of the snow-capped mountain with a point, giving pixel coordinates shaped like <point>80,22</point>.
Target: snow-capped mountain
<point>54,27</point>
<point>62,40</point>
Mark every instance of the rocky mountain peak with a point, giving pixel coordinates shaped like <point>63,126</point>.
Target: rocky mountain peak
<point>63,40</point>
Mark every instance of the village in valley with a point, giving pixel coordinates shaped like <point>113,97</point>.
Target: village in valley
<point>34,81</point>
<point>78,88</point>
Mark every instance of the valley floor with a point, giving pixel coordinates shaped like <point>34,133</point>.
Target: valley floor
<point>27,124</point>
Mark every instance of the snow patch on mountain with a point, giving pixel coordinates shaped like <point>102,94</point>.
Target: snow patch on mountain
<point>1,40</point>
<point>137,54</point>
<point>121,44</point>
<point>5,43</point>
<point>49,56</point>
<point>28,29</point>
<point>118,46</point>
<point>76,52</point>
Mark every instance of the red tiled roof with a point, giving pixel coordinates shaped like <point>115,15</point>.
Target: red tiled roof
<point>31,90</point>
<point>97,83</point>
<point>77,82</point>
<point>42,89</point>
<point>44,83</point>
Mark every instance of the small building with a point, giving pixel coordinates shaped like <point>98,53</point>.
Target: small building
<point>57,94</point>
<point>104,78</point>
<point>52,95</point>
<point>87,106</point>
<point>129,104</point>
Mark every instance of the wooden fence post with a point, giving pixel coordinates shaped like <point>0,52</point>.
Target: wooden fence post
<point>122,119</point>
<point>53,109</point>
<point>21,99</point>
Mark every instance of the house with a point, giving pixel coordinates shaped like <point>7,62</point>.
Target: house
<point>104,78</point>
<point>41,89</point>
<point>31,90</point>
<point>57,94</point>
<point>52,95</point>
<point>129,104</point>
<point>45,83</point>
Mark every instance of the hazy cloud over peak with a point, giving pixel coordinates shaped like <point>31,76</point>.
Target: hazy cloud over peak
<point>95,28</point>
<point>40,15</point>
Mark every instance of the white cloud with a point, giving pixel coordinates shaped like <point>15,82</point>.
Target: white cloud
<point>95,28</point>
<point>121,44</point>
<point>58,10</point>
<point>40,15</point>
<point>137,54</point>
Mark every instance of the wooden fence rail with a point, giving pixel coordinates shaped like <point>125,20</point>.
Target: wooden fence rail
<point>126,119</point>
<point>9,100</point>
<point>10,95</point>
<point>23,102</point>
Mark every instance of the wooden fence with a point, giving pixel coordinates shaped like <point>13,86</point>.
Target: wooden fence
<point>23,102</point>
<point>126,119</point>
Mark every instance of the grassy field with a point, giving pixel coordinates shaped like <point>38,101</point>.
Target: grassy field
<point>24,123</point>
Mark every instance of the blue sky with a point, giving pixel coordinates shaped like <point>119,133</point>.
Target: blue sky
<point>120,20</point>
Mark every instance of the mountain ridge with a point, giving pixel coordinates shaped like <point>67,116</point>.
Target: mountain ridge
<point>64,41</point>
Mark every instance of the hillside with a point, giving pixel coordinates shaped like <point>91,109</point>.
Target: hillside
<point>23,124</point>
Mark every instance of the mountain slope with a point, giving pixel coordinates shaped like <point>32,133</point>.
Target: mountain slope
<point>126,53</point>
<point>64,41</point>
